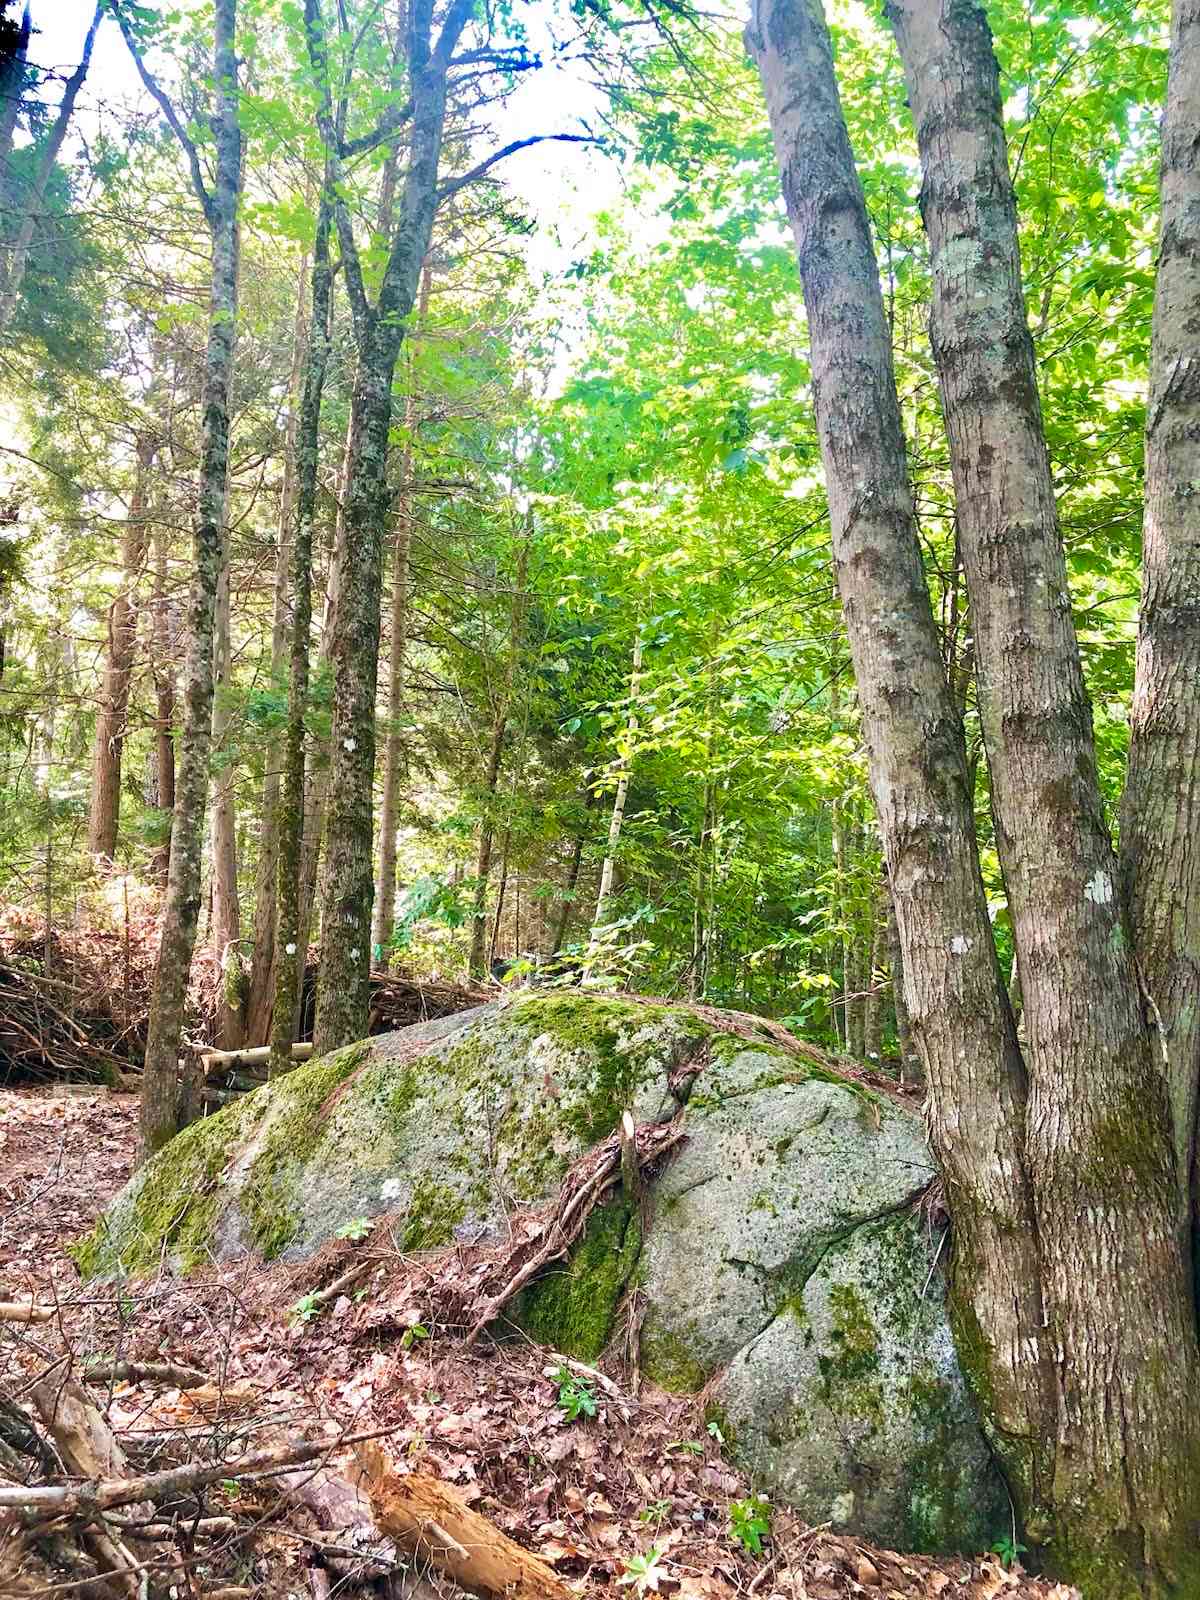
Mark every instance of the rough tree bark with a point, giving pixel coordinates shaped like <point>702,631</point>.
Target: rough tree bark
<point>1160,818</point>
<point>164,699</point>
<point>181,906</point>
<point>957,1007</point>
<point>1112,1229</point>
<point>104,815</point>
<point>347,886</point>
<point>1071,1300</point>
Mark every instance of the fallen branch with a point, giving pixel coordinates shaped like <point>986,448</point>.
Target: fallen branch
<point>426,1516</point>
<point>86,1499</point>
<point>167,1372</point>
<point>18,1311</point>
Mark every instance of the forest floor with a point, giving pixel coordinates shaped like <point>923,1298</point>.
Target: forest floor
<point>634,1497</point>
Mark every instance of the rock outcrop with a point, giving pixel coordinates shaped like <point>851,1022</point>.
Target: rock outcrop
<point>783,1263</point>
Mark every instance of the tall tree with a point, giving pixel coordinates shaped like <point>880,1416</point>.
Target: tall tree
<point>181,906</point>
<point>379,329</point>
<point>1071,1290</point>
<point>104,815</point>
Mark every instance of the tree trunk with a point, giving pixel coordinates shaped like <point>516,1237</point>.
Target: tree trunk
<point>911,1070</point>
<point>873,1003</point>
<point>347,885</point>
<point>16,255</point>
<point>917,759</point>
<point>225,923</point>
<point>291,933</point>
<point>164,694</point>
<point>122,641</point>
<point>617,819</point>
<point>385,891</point>
<point>182,903</point>
<point>1160,817</point>
<point>563,919</point>
<point>477,960</point>
<point>1098,1146</point>
<point>260,996</point>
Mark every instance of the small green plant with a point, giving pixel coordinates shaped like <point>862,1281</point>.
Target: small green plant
<point>575,1395</point>
<point>656,1512</point>
<point>714,1432</point>
<point>306,1308</point>
<point>750,1522</point>
<point>413,1335</point>
<point>357,1228</point>
<point>643,1572</point>
<point>1007,1549</point>
<point>687,1447</point>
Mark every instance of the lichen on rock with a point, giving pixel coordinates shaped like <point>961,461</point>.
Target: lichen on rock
<point>777,1257</point>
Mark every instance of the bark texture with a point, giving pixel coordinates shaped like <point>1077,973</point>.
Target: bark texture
<point>347,885</point>
<point>1160,818</point>
<point>225,919</point>
<point>104,815</point>
<point>956,1004</point>
<point>1120,1319</point>
<point>181,905</point>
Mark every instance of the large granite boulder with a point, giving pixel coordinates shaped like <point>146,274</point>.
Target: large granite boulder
<point>784,1265</point>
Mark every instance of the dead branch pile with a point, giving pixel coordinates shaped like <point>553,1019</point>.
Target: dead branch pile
<point>73,1005</point>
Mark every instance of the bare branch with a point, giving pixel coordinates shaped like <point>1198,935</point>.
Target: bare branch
<point>510,149</point>
<point>170,114</point>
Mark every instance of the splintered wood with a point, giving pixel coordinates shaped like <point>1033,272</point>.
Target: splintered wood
<point>425,1516</point>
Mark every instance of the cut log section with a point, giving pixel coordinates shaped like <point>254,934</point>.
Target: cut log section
<point>425,1516</point>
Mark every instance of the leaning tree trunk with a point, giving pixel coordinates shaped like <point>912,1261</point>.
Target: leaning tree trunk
<point>290,938</point>
<point>104,816</point>
<point>347,884</point>
<point>260,995</point>
<point>1160,818</point>
<point>917,760</point>
<point>1099,1152</point>
<point>181,907</point>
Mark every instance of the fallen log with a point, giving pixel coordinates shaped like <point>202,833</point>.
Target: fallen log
<point>18,1311</point>
<point>176,1377</point>
<point>424,1515</point>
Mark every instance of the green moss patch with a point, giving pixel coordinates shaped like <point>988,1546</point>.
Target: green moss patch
<point>572,1307</point>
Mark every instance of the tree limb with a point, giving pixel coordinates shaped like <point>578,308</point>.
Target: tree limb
<point>510,149</point>
<point>171,116</point>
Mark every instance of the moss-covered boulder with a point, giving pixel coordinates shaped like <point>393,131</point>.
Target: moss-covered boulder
<point>780,1258</point>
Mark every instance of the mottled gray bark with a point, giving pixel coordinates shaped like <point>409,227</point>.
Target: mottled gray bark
<point>347,885</point>
<point>1112,1232</point>
<point>164,699</point>
<point>105,810</point>
<point>956,1002</point>
<point>181,905</point>
<point>1160,818</point>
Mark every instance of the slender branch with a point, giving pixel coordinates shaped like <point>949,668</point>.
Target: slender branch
<point>510,149</point>
<point>393,119</point>
<point>168,110</point>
